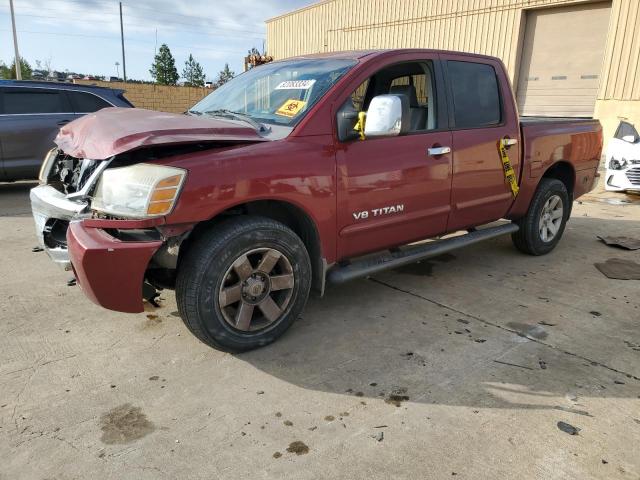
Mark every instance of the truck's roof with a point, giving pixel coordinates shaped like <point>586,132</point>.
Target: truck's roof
<point>370,54</point>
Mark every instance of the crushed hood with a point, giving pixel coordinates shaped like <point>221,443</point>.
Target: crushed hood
<point>111,131</point>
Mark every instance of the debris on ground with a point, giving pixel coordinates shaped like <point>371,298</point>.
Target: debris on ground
<point>619,269</point>
<point>37,249</point>
<point>277,455</point>
<point>627,243</point>
<point>329,418</point>
<point>547,324</point>
<point>379,436</point>
<point>543,364</point>
<point>298,447</point>
<point>288,423</point>
<point>71,282</point>
<point>397,396</point>
<point>568,428</point>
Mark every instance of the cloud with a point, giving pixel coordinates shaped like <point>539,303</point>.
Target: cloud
<point>84,35</point>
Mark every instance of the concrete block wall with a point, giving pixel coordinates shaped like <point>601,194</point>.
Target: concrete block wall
<point>156,97</point>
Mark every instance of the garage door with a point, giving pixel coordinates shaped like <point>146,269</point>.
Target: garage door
<point>562,57</point>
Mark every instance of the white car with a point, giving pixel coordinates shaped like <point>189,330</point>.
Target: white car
<point>623,159</point>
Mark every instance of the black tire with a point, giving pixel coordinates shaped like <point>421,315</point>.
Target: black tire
<point>529,238</point>
<point>207,265</point>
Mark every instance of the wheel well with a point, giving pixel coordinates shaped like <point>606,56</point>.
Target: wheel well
<point>286,213</point>
<point>564,172</point>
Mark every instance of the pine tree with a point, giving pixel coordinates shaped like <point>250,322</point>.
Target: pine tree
<point>193,73</point>
<point>10,72</point>
<point>164,69</point>
<point>224,76</point>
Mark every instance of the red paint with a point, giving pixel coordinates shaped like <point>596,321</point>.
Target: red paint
<point>109,271</point>
<point>111,131</point>
<point>328,180</point>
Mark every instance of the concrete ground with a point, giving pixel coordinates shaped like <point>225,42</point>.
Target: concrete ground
<point>461,367</point>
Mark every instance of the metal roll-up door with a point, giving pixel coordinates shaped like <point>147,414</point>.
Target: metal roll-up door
<point>561,61</point>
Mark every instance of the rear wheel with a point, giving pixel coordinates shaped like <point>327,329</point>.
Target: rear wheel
<point>543,225</point>
<point>243,283</point>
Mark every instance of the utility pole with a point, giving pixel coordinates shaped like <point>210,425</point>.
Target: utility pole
<point>124,65</point>
<point>15,43</point>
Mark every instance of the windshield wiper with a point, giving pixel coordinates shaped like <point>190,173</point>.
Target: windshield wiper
<point>223,112</point>
<point>193,112</point>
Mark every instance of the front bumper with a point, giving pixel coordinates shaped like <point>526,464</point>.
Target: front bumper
<point>109,271</point>
<point>623,180</point>
<point>49,205</point>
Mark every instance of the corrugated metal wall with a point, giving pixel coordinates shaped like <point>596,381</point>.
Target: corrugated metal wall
<point>492,27</point>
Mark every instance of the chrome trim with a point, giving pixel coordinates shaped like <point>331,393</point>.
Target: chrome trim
<point>91,181</point>
<point>47,203</point>
<point>438,151</point>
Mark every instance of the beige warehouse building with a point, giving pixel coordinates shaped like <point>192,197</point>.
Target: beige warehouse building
<point>565,57</point>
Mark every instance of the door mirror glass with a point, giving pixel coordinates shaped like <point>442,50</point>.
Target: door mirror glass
<point>387,116</point>
<point>629,138</point>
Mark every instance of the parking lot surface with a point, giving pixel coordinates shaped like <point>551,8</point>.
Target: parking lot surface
<point>482,364</point>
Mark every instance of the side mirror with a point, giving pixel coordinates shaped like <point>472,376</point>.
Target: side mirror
<point>629,138</point>
<point>346,119</point>
<point>388,116</point>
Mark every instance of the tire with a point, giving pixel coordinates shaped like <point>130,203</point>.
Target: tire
<point>244,268</point>
<point>536,235</point>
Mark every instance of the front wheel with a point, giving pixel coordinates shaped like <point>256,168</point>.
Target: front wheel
<point>243,283</point>
<point>543,225</point>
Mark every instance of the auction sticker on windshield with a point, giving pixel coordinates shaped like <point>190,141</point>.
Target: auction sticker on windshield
<point>291,108</point>
<point>295,85</point>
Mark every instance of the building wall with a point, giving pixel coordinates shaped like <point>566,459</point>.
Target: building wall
<point>493,27</point>
<point>156,97</point>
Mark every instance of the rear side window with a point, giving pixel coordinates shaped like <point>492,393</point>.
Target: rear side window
<point>21,101</point>
<point>83,102</point>
<point>476,98</point>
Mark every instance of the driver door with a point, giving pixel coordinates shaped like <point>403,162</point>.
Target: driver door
<point>396,190</point>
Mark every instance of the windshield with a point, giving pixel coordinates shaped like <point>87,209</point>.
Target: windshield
<point>276,93</point>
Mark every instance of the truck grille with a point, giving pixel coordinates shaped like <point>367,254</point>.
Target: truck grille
<point>633,175</point>
<point>69,174</point>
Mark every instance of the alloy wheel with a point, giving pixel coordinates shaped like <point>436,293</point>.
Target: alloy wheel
<point>256,289</point>
<point>551,218</point>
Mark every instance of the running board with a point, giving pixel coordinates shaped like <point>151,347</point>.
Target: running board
<point>412,254</point>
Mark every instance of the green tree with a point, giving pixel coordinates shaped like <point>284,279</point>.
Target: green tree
<point>163,70</point>
<point>224,76</point>
<point>193,73</point>
<point>4,70</point>
<point>10,71</point>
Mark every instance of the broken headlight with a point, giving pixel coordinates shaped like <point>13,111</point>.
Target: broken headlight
<point>138,191</point>
<point>616,164</point>
<point>47,163</point>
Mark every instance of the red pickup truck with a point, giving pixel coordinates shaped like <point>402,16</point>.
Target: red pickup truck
<point>315,169</point>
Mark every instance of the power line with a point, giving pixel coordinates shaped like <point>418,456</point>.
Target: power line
<point>129,22</point>
<point>115,39</point>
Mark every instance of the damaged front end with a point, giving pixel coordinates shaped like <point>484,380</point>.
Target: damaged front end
<point>117,261</point>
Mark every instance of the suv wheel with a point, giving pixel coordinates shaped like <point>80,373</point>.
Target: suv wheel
<point>243,283</point>
<point>543,225</point>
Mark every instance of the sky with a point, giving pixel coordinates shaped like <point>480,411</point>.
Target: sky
<point>84,35</point>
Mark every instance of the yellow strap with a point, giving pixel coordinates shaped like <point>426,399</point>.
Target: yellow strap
<point>509,173</point>
<point>360,125</point>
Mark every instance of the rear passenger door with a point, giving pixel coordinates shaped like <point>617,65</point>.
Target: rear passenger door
<point>482,112</point>
<point>30,120</point>
<point>85,102</point>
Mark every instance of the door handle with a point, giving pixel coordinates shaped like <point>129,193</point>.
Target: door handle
<point>509,142</point>
<point>434,151</point>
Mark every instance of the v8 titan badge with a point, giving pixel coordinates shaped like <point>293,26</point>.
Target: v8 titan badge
<point>291,108</point>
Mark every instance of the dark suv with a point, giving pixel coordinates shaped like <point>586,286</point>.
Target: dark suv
<point>31,113</point>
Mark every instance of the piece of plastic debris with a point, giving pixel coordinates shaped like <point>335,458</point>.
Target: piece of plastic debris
<point>620,269</point>
<point>568,428</point>
<point>627,243</point>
